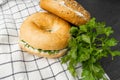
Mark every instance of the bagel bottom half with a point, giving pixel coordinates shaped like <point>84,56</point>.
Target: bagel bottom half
<point>45,35</point>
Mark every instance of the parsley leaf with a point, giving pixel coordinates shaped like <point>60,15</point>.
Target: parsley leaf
<point>88,44</point>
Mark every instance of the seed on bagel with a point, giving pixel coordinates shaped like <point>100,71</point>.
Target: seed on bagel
<point>69,10</point>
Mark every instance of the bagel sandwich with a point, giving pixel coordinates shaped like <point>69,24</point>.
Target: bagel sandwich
<point>45,35</point>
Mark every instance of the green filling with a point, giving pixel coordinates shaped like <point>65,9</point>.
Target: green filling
<point>40,50</point>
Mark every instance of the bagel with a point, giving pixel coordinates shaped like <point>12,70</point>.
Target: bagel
<point>69,10</point>
<point>45,35</point>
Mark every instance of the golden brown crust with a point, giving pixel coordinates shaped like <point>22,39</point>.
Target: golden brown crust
<point>56,55</point>
<point>45,31</point>
<point>69,10</point>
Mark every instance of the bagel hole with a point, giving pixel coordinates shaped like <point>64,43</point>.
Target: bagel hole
<point>45,28</point>
<point>49,30</point>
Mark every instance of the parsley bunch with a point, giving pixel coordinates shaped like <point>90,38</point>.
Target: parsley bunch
<point>88,44</point>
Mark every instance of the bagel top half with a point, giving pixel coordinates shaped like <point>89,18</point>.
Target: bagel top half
<point>45,31</point>
<point>69,10</point>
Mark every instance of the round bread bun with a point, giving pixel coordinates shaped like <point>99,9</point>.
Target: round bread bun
<point>45,31</point>
<point>69,10</point>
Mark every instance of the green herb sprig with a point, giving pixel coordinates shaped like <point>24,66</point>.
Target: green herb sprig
<point>88,44</point>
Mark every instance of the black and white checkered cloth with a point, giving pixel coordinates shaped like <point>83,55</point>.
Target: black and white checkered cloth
<point>16,64</point>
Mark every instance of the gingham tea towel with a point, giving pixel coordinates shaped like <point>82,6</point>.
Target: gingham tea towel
<point>19,65</point>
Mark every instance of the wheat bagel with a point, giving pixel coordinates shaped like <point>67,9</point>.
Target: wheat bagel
<point>70,10</point>
<point>44,31</point>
